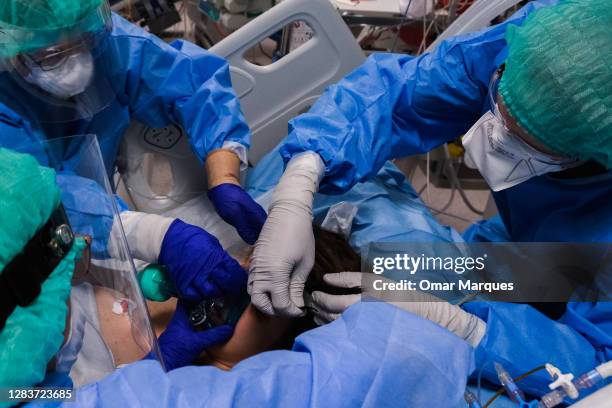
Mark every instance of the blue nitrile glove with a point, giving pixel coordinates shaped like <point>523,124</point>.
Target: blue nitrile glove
<point>238,209</point>
<point>197,264</point>
<point>180,344</point>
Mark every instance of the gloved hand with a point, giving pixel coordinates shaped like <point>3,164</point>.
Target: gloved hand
<point>238,209</point>
<point>197,264</point>
<point>180,344</point>
<point>284,254</point>
<point>327,308</point>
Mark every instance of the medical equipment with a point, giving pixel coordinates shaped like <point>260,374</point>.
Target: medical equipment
<point>215,312</point>
<point>181,343</point>
<point>158,15</point>
<point>563,387</point>
<point>471,399</point>
<point>507,382</point>
<point>214,20</point>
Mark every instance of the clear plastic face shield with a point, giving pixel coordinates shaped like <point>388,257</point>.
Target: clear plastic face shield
<point>503,158</point>
<point>108,324</point>
<point>58,75</point>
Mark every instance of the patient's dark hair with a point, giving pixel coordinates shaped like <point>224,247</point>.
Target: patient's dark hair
<point>332,254</point>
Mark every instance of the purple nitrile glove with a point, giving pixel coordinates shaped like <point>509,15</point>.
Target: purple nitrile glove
<point>197,264</point>
<point>181,344</point>
<point>238,209</point>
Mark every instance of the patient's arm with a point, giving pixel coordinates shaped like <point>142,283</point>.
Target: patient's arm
<point>255,333</point>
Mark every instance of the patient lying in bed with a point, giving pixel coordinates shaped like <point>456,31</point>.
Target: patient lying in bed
<point>256,332</point>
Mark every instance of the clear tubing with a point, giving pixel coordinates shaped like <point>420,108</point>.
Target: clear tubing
<point>552,399</point>
<point>588,380</point>
<point>505,379</point>
<point>471,399</point>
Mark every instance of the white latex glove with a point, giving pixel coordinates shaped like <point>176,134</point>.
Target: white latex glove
<point>327,308</point>
<point>284,253</point>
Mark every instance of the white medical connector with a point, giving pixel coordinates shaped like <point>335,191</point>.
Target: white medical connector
<point>587,380</point>
<point>564,381</point>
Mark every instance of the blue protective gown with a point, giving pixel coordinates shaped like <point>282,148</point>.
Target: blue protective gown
<point>375,355</point>
<point>158,84</point>
<point>397,105</point>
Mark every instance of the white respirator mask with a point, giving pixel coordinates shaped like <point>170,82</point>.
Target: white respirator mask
<point>503,159</point>
<point>69,78</point>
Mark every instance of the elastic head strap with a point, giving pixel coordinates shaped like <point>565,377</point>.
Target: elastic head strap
<point>22,278</point>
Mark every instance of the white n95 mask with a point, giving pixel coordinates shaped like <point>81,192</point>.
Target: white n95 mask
<point>68,79</point>
<point>502,158</point>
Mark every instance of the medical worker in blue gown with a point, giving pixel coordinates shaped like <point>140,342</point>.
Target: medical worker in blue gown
<point>532,98</point>
<point>370,357</point>
<point>71,67</point>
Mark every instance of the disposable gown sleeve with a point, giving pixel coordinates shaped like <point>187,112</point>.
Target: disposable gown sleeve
<point>178,83</point>
<point>521,338</point>
<point>90,210</point>
<point>374,355</point>
<point>398,105</point>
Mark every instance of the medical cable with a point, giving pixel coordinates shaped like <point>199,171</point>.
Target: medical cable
<point>401,24</point>
<point>457,217</point>
<point>455,181</point>
<point>448,203</point>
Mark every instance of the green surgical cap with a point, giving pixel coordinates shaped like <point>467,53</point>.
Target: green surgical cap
<point>33,334</point>
<point>558,78</point>
<point>28,25</point>
<point>29,197</point>
<point>45,14</point>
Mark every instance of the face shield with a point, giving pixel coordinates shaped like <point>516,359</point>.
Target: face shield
<point>55,75</point>
<point>108,324</point>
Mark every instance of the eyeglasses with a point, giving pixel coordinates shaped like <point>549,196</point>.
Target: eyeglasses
<point>50,58</point>
<point>54,56</point>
